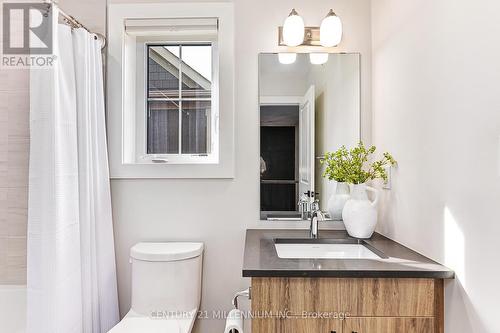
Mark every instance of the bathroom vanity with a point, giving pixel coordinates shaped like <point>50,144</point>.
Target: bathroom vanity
<point>334,283</point>
<point>340,285</point>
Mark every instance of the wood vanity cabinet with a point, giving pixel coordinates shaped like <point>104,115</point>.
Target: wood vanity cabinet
<point>347,305</point>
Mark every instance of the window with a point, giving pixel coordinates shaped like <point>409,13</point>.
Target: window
<point>171,90</point>
<point>176,85</point>
<point>179,98</point>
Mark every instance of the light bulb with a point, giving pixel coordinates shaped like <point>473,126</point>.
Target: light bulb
<point>318,58</point>
<point>293,29</point>
<point>287,58</point>
<point>330,33</point>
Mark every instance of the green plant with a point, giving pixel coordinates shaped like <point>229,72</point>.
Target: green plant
<point>337,166</point>
<point>353,166</point>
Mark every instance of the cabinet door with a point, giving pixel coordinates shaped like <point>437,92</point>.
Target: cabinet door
<point>296,325</point>
<point>294,296</point>
<point>388,297</point>
<point>389,325</point>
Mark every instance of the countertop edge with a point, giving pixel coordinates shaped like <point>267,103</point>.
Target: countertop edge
<point>248,273</point>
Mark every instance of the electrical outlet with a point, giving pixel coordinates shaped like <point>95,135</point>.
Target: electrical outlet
<point>388,182</point>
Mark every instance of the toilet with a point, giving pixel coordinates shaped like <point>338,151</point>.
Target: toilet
<point>165,288</point>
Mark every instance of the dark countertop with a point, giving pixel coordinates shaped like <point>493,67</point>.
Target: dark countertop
<point>261,259</point>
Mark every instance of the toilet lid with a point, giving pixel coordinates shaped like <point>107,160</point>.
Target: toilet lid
<point>168,251</point>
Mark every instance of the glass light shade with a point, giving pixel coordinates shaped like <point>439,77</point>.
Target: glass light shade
<point>293,29</point>
<point>330,33</point>
<point>318,58</point>
<point>287,58</point>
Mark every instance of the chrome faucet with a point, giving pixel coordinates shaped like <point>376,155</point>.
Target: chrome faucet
<point>316,216</point>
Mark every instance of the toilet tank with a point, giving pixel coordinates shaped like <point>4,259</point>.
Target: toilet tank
<point>166,277</point>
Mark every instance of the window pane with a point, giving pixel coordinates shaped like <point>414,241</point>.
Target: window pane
<point>193,96</point>
<point>163,127</point>
<point>195,124</point>
<point>196,71</point>
<point>163,71</point>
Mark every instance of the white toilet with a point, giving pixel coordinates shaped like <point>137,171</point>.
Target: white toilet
<point>166,288</point>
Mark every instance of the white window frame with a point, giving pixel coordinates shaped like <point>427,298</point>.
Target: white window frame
<point>127,115</point>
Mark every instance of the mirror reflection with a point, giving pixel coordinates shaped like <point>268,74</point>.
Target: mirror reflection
<point>305,110</point>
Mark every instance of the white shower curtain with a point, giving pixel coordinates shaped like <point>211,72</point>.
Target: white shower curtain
<point>71,260</point>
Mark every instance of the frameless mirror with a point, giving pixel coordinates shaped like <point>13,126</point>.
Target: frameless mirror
<point>305,110</point>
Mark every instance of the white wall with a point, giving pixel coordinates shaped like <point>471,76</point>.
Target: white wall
<point>436,107</point>
<point>92,13</point>
<point>219,211</point>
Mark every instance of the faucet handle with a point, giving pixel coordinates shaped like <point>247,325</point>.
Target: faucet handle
<point>315,208</point>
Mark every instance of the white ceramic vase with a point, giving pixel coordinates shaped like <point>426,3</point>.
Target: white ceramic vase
<point>360,214</point>
<point>337,201</point>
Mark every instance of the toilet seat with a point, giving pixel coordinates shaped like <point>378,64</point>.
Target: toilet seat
<point>136,323</point>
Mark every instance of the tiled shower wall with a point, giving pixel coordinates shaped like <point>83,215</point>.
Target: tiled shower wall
<point>14,155</point>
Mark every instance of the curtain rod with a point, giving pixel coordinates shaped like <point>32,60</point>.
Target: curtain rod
<point>74,23</point>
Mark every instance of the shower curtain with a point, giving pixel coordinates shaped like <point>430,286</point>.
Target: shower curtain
<point>71,260</point>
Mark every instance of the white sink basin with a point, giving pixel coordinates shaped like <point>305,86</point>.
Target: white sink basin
<point>324,251</point>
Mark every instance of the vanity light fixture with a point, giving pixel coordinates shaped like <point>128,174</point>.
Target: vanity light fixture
<point>294,33</point>
<point>287,58</point>
<point>293,29</point>
<point>330,32</point>
<point>318,58</point>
